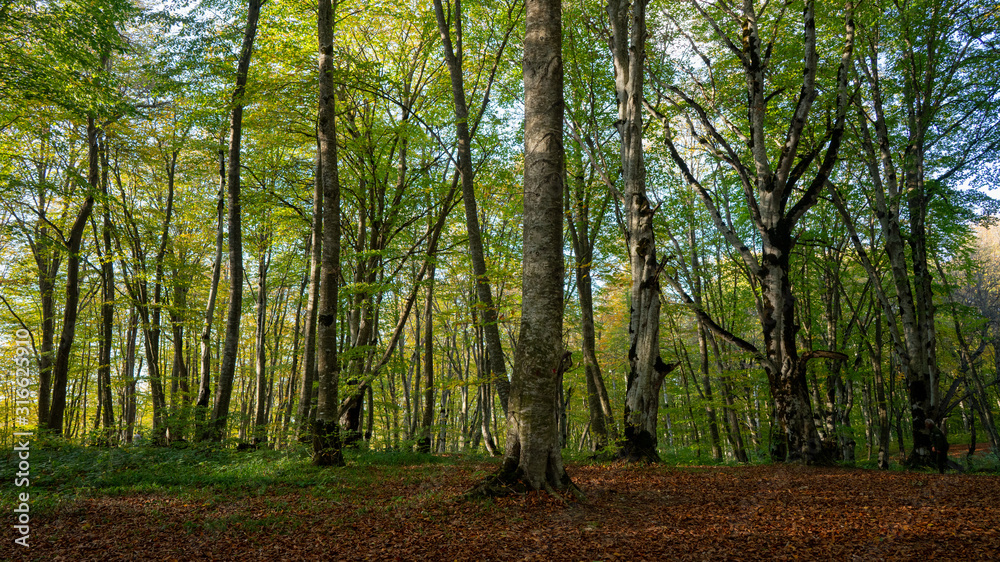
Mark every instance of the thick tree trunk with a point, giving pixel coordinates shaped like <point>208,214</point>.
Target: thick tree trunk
<point>227,366</point>
<point>767,185</point>
<point>327,449</point>
<point>533,458</point>
<point>646,368</point>
<point>916,352</point>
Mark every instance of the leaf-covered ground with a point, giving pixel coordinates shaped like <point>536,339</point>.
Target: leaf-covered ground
<point>371,512</point>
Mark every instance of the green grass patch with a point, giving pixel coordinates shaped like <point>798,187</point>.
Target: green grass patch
<point>61,472</point>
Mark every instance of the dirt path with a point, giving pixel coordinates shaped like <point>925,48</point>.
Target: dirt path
<point>631,513</point>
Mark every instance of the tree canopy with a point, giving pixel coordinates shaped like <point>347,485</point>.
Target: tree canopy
<point>268,223</point>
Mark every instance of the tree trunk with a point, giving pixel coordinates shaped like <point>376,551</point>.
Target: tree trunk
<point>767,186</point>
<point>60,371</point>
<point>427,421</point>
<point>327,449</point>
<point>227,366</point>
<point>703,334</point>
<point>646,368</point>
<point>48,259</point>
<point>179,371</point>
<point>289,398</point>
<point>583,236</point>
<point>453,59</point>
<point>305,413</point>
<point>107,311</point>
<point>533,459</point>
<point>260,335</point>
<point>205,379</point>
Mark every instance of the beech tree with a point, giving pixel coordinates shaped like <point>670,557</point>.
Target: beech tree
<point>326,429</point>
<point>768,183</point>
<point>646,367</point>
<point>533,456</point>
<point>227,365</point>
<point>922,123</point>
<point>588,196</point>
<point>453,56</point>
<point>730,119</point>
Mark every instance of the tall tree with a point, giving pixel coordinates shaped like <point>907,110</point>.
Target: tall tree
<point>453,55</point>
<point>326,429</point>
<point>60,370</point>
<point>587,211</point>
<point>646,368</point>
<point>533,457</point>
<point>107,307</point>
<point>227,367</point>
<point>205,368</point>
<point>768,182</point>
<point>260,333</point>
<point>305,413</point>
<point>922,123</point>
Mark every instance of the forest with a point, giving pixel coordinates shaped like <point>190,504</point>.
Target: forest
<point>679,232</point>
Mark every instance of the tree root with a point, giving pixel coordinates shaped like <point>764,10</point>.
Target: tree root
<point>507,482</point>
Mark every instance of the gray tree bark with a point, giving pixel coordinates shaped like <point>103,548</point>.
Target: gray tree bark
<point>646,368</point>
<point>768,188</point>
<point>533,457</point>
<point>327,450</point>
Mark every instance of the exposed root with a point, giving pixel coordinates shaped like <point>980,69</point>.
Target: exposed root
<point>508,482</point>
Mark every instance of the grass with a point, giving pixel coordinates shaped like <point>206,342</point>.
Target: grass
<point>62,472</point>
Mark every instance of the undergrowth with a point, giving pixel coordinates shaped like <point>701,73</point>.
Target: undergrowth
<point>61,472</point>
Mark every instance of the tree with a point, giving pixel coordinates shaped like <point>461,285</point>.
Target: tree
<point>768,182</point>
<point>326,429</point>
<point>646,367</point>
<point>586,211</point>
<point>227,367</point>
<point>60,370</point>
<point>107,306</point>
<point>205,380</point>
<point>922,124</point>
<point>453,58</point>
<point>533,456</point>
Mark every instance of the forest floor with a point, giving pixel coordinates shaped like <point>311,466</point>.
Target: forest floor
<point>263,506</point>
